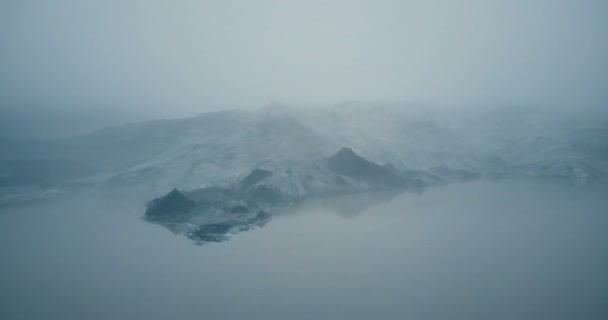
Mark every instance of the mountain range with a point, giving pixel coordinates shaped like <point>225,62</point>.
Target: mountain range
<point>425,145</point>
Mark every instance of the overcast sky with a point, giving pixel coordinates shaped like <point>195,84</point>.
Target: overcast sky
<point>176,58</point>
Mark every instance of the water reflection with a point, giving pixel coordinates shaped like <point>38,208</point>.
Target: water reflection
<point>481,250</point>
<point>346,206</point>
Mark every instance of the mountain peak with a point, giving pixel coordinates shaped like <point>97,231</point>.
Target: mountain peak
<point>346,150</point>
<point>174,203</point>
<point>346,162</point>
<point>174,193</point>
<point>347,158</point>
<point>345,154</point>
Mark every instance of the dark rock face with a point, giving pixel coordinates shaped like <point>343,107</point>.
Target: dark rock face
<point>340,181</point>
<point>254,177</point>
<point>347,163</point>
<point>266,195</point>
<point>215,232</point>
<point>221,231</point>
<point>173,204</point>
<point>239,209</point>
<point>262,215</point>
<point>209,214</point>
<point>390,167</point>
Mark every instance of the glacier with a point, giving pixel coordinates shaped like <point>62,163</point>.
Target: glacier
<point>293,153</point>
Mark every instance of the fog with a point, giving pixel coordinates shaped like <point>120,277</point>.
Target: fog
<point>137,60</point>
<point>332,159</point>
<point>499,250</point>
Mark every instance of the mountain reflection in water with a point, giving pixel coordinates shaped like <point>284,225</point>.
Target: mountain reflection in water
<point>479,250</point>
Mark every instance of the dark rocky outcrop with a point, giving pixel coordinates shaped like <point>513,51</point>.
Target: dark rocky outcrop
<point>390,167</point>
<point>347,163</point>
<point>209,214</point>
<point>265,194</point>
<point>254,177</point>
<point>239,209</point>
<point>173,204</point>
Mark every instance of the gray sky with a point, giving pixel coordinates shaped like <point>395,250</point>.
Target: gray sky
<point>176,58</point>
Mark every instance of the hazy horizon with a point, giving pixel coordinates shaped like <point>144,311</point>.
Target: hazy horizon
<point>96,63</point>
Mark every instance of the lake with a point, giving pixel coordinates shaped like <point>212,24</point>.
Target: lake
<point>478,250</point>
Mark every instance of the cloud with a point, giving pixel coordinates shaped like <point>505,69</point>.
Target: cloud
<point>180,57</point>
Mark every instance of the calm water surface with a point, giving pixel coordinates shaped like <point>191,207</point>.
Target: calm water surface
<point>481,250</point>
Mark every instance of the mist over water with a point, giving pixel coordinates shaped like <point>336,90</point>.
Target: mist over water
<point>478,250</point>
<point>130,130</point>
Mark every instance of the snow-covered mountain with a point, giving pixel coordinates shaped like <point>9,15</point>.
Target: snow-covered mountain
<point>241,165</point>
<point>430,144</point>
<point>411,140</point>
